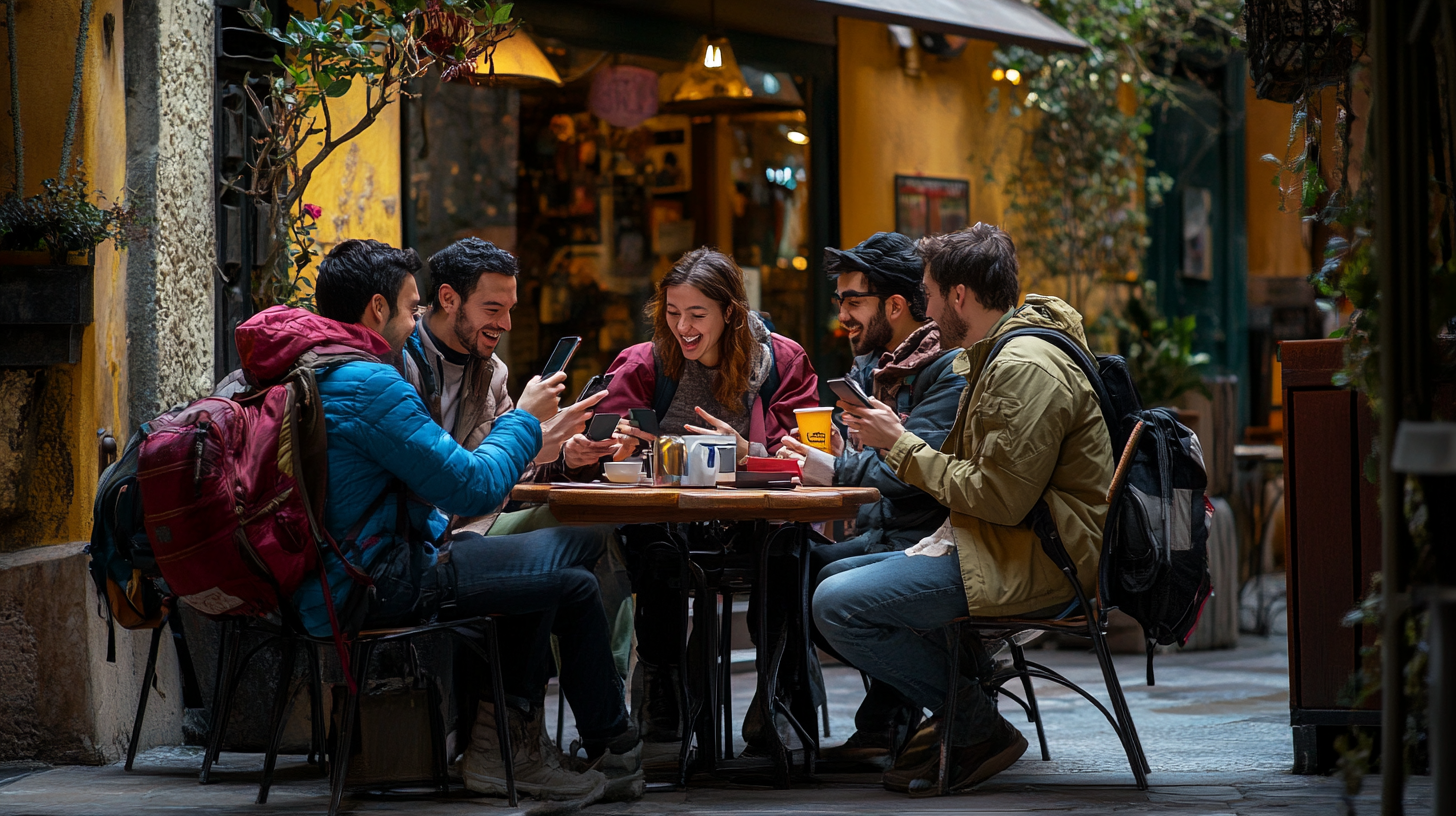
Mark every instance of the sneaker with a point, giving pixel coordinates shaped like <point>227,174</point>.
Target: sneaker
<point>540,768</point>
<point>973,764</point>
<point>620,761</point>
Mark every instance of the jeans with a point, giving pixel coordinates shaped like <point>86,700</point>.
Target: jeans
<point>543,581</point>
<point>884,613</point>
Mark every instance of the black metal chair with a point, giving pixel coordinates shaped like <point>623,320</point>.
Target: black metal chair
<point>1090,621</point>
<point>469,631</point>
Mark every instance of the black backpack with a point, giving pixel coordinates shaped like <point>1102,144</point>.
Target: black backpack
<point>1156,538</point>
<point>122,566</point>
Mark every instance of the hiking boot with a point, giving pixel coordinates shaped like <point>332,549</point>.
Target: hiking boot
<point>923,748</point>
<point>971,765</point>
<point>862,748</point>
<point>620,761</point>
<point>540,768</point>
<point>656,712</point>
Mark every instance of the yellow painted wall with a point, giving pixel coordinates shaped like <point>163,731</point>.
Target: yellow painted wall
<point>358,187</point>
<point>936,124</point>
<point>90,394</point>
<point>1276,242</point>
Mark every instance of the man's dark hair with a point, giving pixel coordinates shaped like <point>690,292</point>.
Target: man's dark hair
<point>889,261</point>
<point>355,271</point>
<point>462,263</point>
<point>982,258</point>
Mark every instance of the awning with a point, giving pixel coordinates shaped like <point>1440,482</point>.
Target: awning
<point>1004,21</point>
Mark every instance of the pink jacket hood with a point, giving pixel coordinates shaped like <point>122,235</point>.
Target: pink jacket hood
<point>270,342</point>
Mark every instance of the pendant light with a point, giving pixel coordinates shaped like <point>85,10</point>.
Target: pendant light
<point>711,80</point>
<point>516,62</point>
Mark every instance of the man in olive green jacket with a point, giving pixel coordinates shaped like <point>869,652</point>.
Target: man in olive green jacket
<point>1029,427</point>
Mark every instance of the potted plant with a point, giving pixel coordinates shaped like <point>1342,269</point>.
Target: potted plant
<point>48,241</point>
<point>1159,349</point>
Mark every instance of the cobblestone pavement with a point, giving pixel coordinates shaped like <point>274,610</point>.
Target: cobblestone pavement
<point>1215,728</point>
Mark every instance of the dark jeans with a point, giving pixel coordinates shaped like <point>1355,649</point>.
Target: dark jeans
<point>543,581</point>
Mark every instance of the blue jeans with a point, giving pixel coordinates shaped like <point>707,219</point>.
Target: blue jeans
<point>885,613</point>
<point>543,580</point>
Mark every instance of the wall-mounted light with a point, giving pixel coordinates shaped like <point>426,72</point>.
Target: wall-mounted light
<point>1013,76</point>
<point>997,75</point>
<point>798,137</point>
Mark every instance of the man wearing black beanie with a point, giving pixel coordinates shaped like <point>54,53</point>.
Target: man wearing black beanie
<point>899,361</point>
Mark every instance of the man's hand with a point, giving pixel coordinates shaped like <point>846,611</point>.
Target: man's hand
<point>581,451</point>
<point>567,424</point>
<point>878,426</point>
<point>541,398</point>
<point>719,427</point>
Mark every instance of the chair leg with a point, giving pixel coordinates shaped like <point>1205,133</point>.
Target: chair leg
<point>827,735</point>
<point>229,672</point>
<point>560,712</point>
<point>317,748</point>
<point>281,699</point>
<point>359,657</point>
<point>141,712</point>
<point>502,726</point>
<point>725,663</point>
<point>1119,707</point>
<point>953,643</point>
<point>1033,713</point>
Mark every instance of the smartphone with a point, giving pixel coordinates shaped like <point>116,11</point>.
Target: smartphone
<point>598,382</point>
<point>849,391</point>
<point>602,426</point>
<point>560,356</point>
<point>646,420</point>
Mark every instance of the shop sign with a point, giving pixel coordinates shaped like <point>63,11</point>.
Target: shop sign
<point>624,95</point>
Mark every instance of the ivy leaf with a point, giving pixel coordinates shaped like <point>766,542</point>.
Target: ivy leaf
<point>338,87</point>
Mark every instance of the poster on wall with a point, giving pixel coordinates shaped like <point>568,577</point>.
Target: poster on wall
<point>669,158</point>
<point>931,206</point>
<point>1197,233</point>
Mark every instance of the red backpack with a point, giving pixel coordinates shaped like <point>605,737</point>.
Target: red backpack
<point>232,493</point>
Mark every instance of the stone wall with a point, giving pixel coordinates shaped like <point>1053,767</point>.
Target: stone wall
<point>63,703</point>
<point>169,89</point>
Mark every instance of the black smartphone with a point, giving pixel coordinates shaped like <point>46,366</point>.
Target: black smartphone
<point>646,420</point>
<point>849,391</point>
<point>602,426</point>
<point>560,356</point>
<point>598,382</point>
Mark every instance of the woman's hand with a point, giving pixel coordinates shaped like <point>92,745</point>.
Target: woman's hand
<point>719,427</point>
<point>631,438</point>
<point>878,426</point>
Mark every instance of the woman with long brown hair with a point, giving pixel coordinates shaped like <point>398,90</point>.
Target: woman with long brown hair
<point>712,365</point>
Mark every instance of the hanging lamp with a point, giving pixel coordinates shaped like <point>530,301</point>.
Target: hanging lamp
<point>515,62</point>
<point>711,81</point>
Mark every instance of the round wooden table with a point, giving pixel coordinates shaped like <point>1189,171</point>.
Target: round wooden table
<point>781,521</point>
<point>626,505</point>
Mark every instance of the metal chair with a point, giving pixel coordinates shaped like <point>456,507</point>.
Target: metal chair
<point>469,631</point>
<point>1090,622</point>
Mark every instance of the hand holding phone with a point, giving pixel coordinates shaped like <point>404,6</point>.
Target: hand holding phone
<point>849,391</point>
<point>602,426</point>
<point>597,383</point>
<point>560,356</point>
<point>646,420</point>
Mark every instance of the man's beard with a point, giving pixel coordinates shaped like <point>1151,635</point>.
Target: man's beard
<point>471,340</point>
<point>876,335</point>
<point>953,329</point>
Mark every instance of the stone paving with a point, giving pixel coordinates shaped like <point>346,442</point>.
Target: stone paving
<point>1215,728</point>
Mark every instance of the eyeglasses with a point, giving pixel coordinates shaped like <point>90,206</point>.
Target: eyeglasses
<point>840,297</point>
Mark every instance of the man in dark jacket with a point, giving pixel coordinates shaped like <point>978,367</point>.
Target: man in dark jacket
<point>899,361</point>
<point>393,470</point>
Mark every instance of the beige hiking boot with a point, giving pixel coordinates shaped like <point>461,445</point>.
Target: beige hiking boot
<point>540,768</point>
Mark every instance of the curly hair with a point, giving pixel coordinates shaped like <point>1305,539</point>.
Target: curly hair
<point>719,278</point>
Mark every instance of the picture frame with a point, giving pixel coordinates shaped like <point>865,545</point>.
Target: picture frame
<point>926,205</point>
<point>669,165</point>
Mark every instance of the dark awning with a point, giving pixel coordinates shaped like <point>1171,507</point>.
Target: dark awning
<point>1006,21</point>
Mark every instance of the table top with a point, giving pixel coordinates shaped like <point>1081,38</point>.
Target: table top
<point>624,505</point>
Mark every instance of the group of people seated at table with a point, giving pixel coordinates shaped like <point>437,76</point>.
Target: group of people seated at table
<point>425,445</point>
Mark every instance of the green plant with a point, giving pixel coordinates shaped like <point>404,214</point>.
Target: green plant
<point>1159,350</point>
<point>1080,180</point>
<point>378,46</point>
<point>64,219</point>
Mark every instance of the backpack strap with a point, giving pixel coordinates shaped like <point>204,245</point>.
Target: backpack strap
<point>1080,357</point>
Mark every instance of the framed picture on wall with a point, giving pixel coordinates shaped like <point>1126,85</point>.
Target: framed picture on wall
<point>669,165</point>
<point>931,206</point>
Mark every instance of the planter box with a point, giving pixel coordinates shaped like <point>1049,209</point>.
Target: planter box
<point>44,311</point>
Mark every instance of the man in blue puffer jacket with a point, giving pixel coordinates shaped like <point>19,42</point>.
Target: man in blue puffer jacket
<point>392,471</point>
